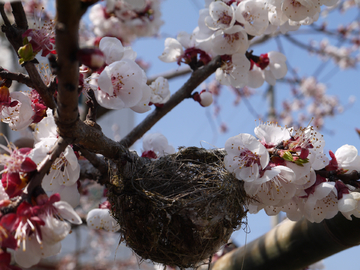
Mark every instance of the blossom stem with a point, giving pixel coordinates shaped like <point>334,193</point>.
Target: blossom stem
<point>348,178</point>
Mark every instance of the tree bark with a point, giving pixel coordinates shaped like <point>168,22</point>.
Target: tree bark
<point>294,245</point>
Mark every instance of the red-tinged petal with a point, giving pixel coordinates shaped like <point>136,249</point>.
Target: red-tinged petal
<point>14,103</point>
<point>5,258</point>
<point>333,164</point>
<point>311,190</point>
<point>105,205</point>
<point>12,184</point>
<point>54,198</point>
<point>4,95</point>
<point>28,165</point>
<point>25,150</point>
<point>24,209</point>
<point>341,189</point>
<point>304,153</point>
<point>8,242</point>
<point>149,154</point>
<point>7,221</point>
<point>27,33</point>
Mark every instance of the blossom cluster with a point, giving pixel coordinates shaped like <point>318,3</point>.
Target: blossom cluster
<point>286,170</point>
<point>126,20</point>
<point>226,27</point>
<point>310,97</point>
<point>122,83</point>
<point>35,229</point>
<point>20,109</point>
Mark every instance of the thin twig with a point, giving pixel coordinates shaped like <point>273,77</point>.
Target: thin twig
<point>171,74</point>
<point>184,92</point>
<point>44,167</point>
<point>14,35</point>
<point>3,15</point>
<point>99,170</point>
<point>303,45</point>
<point>19,77</point>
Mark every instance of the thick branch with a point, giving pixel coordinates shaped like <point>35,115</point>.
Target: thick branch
<point>195,80</point>
<point>19,15</point>
<point>69,13</point>
<point>294,245</point>
<point>88,135</point>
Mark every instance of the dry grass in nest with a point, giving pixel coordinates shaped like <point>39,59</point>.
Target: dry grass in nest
<point>177,210</point>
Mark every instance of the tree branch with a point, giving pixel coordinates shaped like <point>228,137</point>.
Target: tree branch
<point>19,77</point>
<point>194,81</point>
<point>68,15</point>
<point>3,15</point>
<point>44,167</point>
<point>19,15</point>
<point>99,170</point>
<point>171,74</point>
<point>294,245</point>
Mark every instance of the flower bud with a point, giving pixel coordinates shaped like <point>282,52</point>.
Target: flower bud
<point>204,98</point>
<point>26,53</point>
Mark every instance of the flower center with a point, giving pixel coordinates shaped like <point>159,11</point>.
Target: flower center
<point>248,158</point>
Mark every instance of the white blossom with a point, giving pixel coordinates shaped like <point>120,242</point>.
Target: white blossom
<point>115,51</point>
<point>121,85</point>
<point>253,14</point>
<point>157,143</point>
<point>277,68</point>
<point>221,16</point>
<point>234,72</point>
<point>246,156</point>
<point>102,219</point>
<point>19,116</point>
<point>230,41</point>
<point>347,158</point>
<point>160,91</point>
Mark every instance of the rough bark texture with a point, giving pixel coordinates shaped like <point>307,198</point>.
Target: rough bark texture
<point>294,245</point>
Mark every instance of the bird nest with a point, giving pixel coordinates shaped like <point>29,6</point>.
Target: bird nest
<point>177,210</point>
